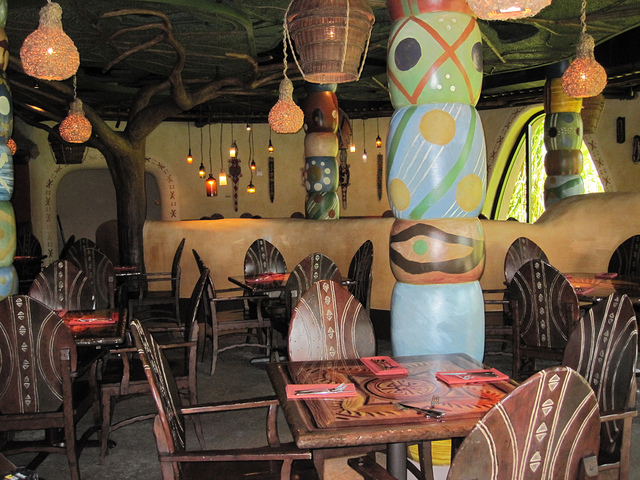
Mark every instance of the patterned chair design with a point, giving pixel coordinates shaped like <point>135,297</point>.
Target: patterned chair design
<point>63,286</point>
<point>360,273</point>
<point>177,462</point>
<point>545,310</point>
<point>547,428</point>
<point>329,323</point>
<point>263,257</point>
<point>98,269</point>
<point>39,381</point>
<point>603,349</point>
<point>625,260</point>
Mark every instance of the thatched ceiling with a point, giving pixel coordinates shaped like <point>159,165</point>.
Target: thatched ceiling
<point>516,54</point>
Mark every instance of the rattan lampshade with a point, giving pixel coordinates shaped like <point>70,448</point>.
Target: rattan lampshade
<point>285,116</point>
<point>75,128</point>
<point>48,53</point>
<point>506,9</point>
<point>330,37</point>
<point>585,77</point>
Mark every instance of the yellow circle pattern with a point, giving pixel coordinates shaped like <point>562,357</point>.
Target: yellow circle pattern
<point>438,127</point>
<point>469,192</point>
<point>399,194</point>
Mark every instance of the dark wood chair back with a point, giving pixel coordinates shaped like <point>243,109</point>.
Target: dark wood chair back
<point>625,260</point>
<point>263,257</point>
<point>603,349</point>
<point>62,285</point>
<point>546,428</point>
<point>98,269</point>
<point>37,360</point>
<point>311,269</point>
<point>199,261</point>
<point>545,310</point>
<point>329,323</point>
<point>28,261</point>
<point>361,274</point>
<point>520,252</point>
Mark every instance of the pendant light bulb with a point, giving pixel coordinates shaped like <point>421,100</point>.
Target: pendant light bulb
<point>222,179</point>
<point>212,186</point>
<point>251,188</point>
<point>248,127</point>
<point>378,142</point>
<point>233,151</point>
<point>364,156</point>
<point>352,148</point>
<point>252,165</point>
<point>270,147</point>
<point>189,157</point>
<point>201,170</point>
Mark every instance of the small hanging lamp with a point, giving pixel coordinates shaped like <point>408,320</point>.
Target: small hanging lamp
<point>222,178</point>
<point>364,141</point>
<point>585,77</point>
<point>189,156</point>
<point>252,165</point>
<point>13,148</point>
<point>75,128</point>
<point>212,185</point>
<point>285,116</point>
<point>270,147</point>
<point>201,171</point>
<point>48,53</point>
<point>506,9</point>
<point>378,139</point>
<point>251,188</point>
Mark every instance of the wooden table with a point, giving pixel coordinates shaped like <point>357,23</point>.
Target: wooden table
<point>372,418</point>
<point>592,289</point>
<point>98,335</point>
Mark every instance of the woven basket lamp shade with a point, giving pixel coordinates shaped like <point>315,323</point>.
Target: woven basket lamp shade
<point>285,116</point>
<point>506,9</point>
<point>49,53</point>
<point>75,128</point>
<point>585,77</point>
<point>331,38</point>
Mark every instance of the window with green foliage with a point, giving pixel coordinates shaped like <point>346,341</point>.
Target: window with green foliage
<point>523,183</point>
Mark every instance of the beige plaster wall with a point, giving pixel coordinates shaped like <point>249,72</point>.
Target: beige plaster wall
<point>577,234</point>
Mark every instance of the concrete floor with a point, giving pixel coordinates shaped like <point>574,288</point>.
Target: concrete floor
<point>135,456</point>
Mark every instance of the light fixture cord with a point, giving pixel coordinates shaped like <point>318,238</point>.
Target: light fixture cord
<point>201,147</point>
<point>210,162</point>
<point>221,165</point>
<point>285,33</point>
<point>583,16</point>
<point>364,135</point>
<point>189,134</point>
<point>75,86</point>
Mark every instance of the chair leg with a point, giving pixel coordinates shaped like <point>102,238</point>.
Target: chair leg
<point>285,472</point>
<point>106,426</point>
<point>214,352</point>
<point>72,453</point>
<point>426,460</point>
<point>197,424</point>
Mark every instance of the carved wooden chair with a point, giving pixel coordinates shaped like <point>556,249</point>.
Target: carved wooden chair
<point>123,376</point>
<point>63,286</point>
<point>98,269</point>
<point>28,259</point>
<point>603,349</point>
<point>232,319</point>
<point>40,381</point>
<point>311,269</point>
<point>546,428</point>
<point>545,310</point>
<point>158,305</point>
<point>177,462</point>
<point>625,260</point>
<point>263,257</point>
<point>329,323</point>
<point>498,320</point>
<point>360,273</point>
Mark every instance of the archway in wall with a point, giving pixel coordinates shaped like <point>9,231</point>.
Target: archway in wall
<point>86,198</point>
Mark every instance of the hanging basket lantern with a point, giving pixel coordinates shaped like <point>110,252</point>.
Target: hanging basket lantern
<point>75,128</point>
<point>285,116</point>
<point>506,9</point>
<point>331,38</point>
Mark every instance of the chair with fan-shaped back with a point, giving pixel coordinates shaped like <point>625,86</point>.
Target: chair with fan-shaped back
<point>520,252</point>
<point>603,349</point>
<point>98,269</point>
<point>545,310</point>
<point>329,323</point>
<point>263,257</point>
<point>360,274</point>
<point>547,428</point>
<point>625,260</point>
<point>41,385</point>
<point>63,286</point>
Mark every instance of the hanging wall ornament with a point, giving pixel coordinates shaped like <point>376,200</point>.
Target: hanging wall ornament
<point>345,176</point>
<point>235,171</point>
<point>272,187</point>
<point>379,172</point>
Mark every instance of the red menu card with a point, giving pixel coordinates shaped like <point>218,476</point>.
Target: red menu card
<point>384,365</point>
<point>471,376</point>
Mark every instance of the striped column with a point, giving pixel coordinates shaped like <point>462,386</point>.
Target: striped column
<point>320,107</point>
<point>436,178</point>
<point>563,139</point>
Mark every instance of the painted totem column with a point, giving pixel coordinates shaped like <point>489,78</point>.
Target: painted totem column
<point>320,107</point>
<point>563,161</point>
<point>8,274</point>
<point>436,178</point>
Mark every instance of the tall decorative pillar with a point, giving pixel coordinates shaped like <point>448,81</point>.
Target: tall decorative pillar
<point>8,240</point>
<point>563,161</point>
<point>436,178</point>
<point>320,107</point>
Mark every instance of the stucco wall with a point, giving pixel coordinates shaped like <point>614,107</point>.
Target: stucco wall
<point>577,234</point>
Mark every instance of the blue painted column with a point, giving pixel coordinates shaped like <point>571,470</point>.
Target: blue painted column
<point>436,178</point>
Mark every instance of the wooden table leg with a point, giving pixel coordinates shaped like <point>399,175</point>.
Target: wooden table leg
<point>397,460</point>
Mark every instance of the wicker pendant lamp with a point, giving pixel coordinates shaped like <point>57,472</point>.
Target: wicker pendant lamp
<point>48,53</point>
<point>585,77</point>
<point>506,9</point>
<point>331,38</point>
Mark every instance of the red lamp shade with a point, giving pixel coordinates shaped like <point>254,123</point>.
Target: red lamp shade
<point>212,186</point>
